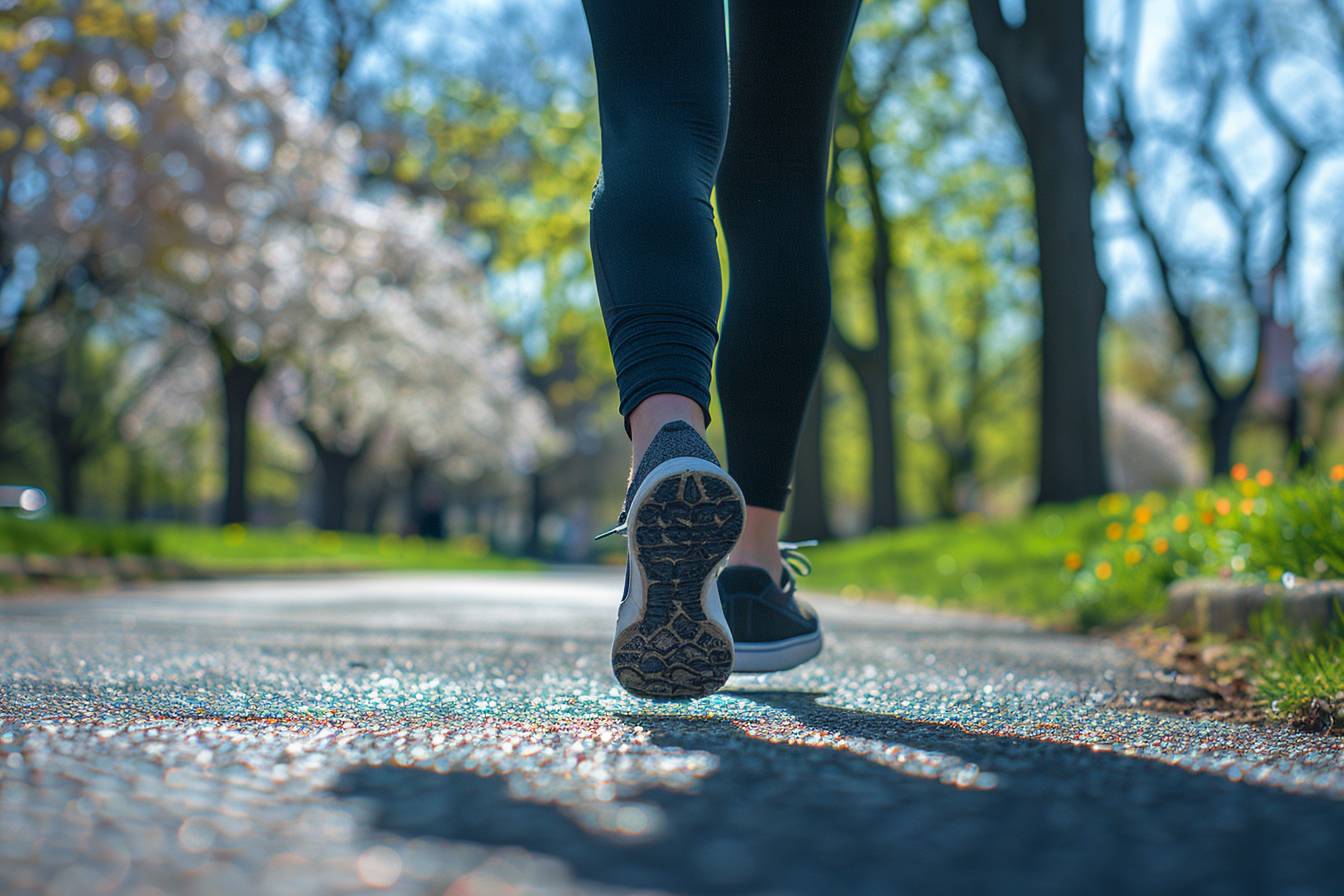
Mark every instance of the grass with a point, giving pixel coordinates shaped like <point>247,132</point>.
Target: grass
<point>239,548</point>
<point>1300,675</point>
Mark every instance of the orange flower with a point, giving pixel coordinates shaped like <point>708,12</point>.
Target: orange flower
<point>1143,514</point>
<point>1223,506</point>
<point>1073,561</point>
<point>1133,556</point>
<point>1136,533</point>
<point>1115,531</point>
<point>1265,478</point>
<point>1247,506</point>
<point>1240,471</point>
<point>1104,570</point>
<point>1181,523</point>
<point>1161,545</point>
<point>1206,517</point>
<point>1337,473</point>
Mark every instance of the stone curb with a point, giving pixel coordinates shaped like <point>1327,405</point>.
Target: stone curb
<point>1223,607</point>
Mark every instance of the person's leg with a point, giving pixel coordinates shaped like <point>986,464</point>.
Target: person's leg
<point>785,59</point>
<point>662,84</point>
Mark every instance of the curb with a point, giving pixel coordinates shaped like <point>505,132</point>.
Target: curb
<point>1223,607</point>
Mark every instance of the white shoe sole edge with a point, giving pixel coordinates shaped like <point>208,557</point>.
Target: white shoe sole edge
<point>775,656</point>
<point>633,612</point>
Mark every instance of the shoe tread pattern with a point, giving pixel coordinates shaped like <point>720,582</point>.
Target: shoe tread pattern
<point>681,532</point>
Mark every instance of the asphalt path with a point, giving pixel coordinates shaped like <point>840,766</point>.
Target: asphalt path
<point>464,734</point>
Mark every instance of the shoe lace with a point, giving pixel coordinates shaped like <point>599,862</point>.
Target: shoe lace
<point>795,562</point>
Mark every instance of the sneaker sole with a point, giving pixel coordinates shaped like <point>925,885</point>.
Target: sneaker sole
<point>685,519</point>
<point>776,656</point>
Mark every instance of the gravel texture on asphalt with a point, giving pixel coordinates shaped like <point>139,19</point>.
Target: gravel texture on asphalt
<point>464,734</point>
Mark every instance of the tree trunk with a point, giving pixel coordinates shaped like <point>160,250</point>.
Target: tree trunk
<point>874,374</point>
<point>373,510</point>
<point>240,381</point>
<point>1040,65</point>
<point>536,510</point>
<point>69,465</point>
<point>1222,428</point>
<point>807,509</point>
<point>333,500</point>
<point>417,471</point>
<point>133,507</point>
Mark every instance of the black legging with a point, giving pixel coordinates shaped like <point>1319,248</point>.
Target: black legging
<point>668,137</point>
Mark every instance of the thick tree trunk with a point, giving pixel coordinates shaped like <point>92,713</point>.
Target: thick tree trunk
<point>1071,463</point>
<point>807,509</point>
<point>1040,65</point>
<point>239,381</point>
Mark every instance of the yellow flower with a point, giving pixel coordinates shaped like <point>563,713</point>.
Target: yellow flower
<point>1132,556</point>
<point>1247,506</point>
<point>1136,533</point>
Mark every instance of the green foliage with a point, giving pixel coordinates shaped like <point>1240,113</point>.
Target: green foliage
<point>1011,566</point>
<point>1295,669</point>
<point>1105,562</point>
<point>238,548</point>
<point>1245,528</point>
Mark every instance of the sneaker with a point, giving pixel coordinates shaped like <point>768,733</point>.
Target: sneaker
<point>772,630</point>
<point>683,516</point>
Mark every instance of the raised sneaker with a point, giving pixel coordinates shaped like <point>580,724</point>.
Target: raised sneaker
<point>772,629</point>
<point>683,516</point>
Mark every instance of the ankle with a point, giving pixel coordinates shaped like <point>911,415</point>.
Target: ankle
<point>759,545</point>
<point>753,555</point>
<point>655,412</point>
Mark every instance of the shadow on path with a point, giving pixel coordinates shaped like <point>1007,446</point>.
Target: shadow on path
<point>794,818</point>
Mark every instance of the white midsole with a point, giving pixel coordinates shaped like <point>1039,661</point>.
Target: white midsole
<point>775,656</point>
<point>632,610</point>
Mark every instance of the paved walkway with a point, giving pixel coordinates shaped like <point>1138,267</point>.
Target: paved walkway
<point>423,734</point>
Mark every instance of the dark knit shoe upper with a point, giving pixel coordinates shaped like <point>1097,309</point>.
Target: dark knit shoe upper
<point>675,439</point>
<point>759,609</point>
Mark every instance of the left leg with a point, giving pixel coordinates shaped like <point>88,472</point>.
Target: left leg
<point>784,66</point>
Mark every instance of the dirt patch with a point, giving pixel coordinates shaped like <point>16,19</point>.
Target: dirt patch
<point>1210,680</point>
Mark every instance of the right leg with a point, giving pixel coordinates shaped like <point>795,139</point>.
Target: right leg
<point>663,98</point>
<point>662,77</point>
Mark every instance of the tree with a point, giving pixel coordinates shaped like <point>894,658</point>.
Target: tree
<point>1040,65</point>
<point>416,368</point>
<point>1183,180</point>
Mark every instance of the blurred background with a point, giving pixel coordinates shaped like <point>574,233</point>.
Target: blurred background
<point>322,265</point>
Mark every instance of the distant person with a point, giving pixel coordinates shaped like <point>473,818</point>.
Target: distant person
<point>670,136</point>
